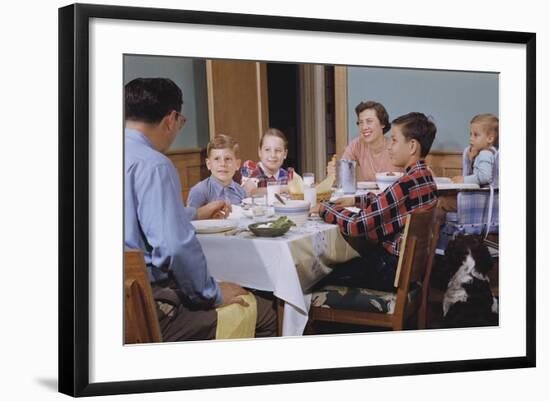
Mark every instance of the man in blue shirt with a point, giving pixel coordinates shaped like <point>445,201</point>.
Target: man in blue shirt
<point>156,221</point>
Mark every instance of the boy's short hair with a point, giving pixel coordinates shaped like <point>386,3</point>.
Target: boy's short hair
<point>489,122</point>
<point>419,127</point>
<point>222,141</point>
<point>149,100</point>
<point>274,132</point>
<point>380,110</point>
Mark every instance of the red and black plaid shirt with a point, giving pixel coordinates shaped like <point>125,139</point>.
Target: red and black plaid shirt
<point>382,217</point>
<point>251,169</point>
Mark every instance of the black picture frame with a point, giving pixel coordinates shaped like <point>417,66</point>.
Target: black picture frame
<point>74,194</point>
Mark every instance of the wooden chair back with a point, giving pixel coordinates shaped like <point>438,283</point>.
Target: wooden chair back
<point>416,260</point>
<point>416,247</point>
<point>141,323</point>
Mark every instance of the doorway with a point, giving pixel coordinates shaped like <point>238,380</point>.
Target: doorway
<point>284,107</point>
<point>293,103</point>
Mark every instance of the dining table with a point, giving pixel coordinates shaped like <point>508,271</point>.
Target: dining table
<point>288,266</point>
<point>444,187</point>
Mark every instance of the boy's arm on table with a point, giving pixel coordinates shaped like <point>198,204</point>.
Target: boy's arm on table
<point>372,221</point>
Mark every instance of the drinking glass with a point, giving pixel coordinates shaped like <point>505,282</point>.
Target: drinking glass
<point>258,204</point>
<point>273,187</point>
<point>310,195</point>
<point>309,179</point>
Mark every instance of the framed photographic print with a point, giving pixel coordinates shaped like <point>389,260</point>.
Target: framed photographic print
<point>241,74</point>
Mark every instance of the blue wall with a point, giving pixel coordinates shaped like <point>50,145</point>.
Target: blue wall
<point>190,76</point>
<point>452,98</point>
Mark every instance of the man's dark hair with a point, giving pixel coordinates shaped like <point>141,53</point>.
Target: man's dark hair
<point>149,100</point>
<point>419,127</point>
<point>380,110</point>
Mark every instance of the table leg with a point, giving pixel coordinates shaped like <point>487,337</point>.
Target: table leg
<point>280,315</point>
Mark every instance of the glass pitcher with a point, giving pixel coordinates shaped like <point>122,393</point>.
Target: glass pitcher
<point>346,176</point>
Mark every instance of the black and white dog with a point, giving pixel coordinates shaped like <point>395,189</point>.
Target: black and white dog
<point>468,301</point>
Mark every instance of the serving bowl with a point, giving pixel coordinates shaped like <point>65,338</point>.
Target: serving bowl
<point>296,210</point>
<point>386,178</point>
<point>258,230</point>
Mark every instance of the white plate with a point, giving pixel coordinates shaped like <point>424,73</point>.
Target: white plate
<point>367,185</point>
<point>442,180</point>
<point>213,226</point>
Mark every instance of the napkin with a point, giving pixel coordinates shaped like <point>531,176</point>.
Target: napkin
<point>296,184</point>
<point>237,321</point>
<point>326,184</point>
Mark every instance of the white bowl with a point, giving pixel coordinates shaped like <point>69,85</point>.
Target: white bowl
<point>295,210</point>
<point>386,178</point>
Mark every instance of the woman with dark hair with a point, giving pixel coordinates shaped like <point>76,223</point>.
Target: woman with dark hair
<point>370,148</point>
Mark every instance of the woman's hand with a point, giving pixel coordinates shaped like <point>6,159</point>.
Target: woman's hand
<point>331,167</point>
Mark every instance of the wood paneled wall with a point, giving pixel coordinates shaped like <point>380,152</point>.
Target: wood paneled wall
<point>191,166</point>
<point>445,163</point>
<point>341,108</point>
<point>237,102</point>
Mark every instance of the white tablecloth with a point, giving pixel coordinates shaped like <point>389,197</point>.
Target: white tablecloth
<point>289,265</point>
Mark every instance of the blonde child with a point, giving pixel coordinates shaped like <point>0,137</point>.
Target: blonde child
<point>222,161</point>
<point>482,151</point>
<point>272,151</point>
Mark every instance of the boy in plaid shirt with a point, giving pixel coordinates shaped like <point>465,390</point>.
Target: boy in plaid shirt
<point>382,217</point>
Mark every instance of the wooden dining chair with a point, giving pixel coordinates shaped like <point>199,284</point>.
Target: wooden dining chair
<point>362,306</point>
<point>141,323</point>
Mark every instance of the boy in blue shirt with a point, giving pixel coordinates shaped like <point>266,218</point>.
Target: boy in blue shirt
<point>222,161</point>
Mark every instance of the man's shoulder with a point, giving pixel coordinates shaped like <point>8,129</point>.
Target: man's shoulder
<point>146,157</point>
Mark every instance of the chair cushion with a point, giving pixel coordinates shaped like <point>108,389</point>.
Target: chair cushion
<point>358,299</point>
